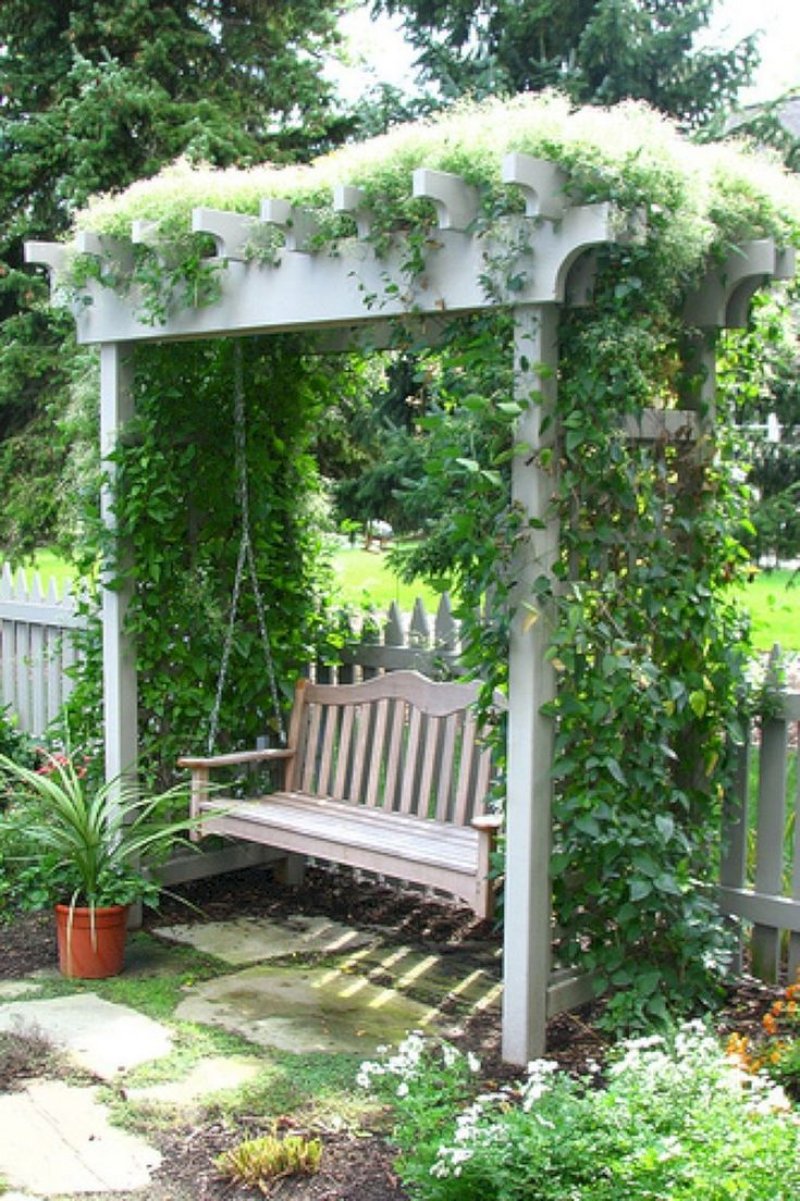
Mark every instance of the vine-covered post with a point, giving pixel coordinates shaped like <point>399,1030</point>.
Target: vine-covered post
<point>119,661</point>
<point>528,905</point>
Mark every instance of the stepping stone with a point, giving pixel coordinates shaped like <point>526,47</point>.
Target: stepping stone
<point>57,1141</point>
<point>211,1076</point>
<point>430,977</point>
<point>100,1036</point>
<point>305,1009</point>
<point>9,989</point>
<point>255,940</point>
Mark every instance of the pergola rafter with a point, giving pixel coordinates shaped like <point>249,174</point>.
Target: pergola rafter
<point>353,292</point>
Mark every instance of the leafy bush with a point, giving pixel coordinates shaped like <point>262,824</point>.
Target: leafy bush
<point>15,743</point>
<point>673,1119</point>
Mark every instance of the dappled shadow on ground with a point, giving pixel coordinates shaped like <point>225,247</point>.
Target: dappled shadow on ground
<point>354,1168</point>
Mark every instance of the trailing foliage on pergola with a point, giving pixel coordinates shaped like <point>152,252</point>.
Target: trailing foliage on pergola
<point>342,273</point>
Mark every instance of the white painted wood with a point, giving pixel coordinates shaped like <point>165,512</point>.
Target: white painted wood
<point>232,232</point>
<point>528,904</point>
<point>119,657</point>
<point>352,200</point>
<point>348,288</point>
<point>655,425</point>
<point>723,298</point>
<point>541,182</point>
<point>794,937</point>
<point>456,201</point>
<point>118,255</point>
<point>296,224</point>
<point>765,942</point>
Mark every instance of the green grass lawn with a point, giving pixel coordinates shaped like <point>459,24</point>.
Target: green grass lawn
<point>49,567</point>
<point>773,599</point>
<point>364,578</point>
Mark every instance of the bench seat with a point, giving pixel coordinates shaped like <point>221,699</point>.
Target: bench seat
<point>388,776</point>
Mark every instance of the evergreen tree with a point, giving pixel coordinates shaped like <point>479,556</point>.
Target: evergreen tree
<point>598,51</point>
<point>93,95</point>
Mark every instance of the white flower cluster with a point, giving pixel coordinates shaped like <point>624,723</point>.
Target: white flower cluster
<point>695,1060</point>
<point>540,1076</point>
<point>477,1129</point>
<point>404,1064</point>
<point>472,1131</point>
<point>407,1062</point>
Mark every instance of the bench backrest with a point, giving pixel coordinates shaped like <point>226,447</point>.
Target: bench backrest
<point>399,742</point>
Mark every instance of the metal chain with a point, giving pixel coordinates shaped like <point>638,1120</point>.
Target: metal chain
<point>246,559</point>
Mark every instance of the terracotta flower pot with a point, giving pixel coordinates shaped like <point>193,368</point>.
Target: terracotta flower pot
<point>91,942</point>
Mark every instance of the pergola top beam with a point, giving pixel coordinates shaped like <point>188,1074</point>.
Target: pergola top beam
<point>352,285</point>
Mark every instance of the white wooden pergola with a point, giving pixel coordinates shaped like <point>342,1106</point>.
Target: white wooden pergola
<point>327,291</point>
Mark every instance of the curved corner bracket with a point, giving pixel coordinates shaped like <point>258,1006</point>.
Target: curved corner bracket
<point>559,247</point>
<point>723,298</point>
<point>540,181</point>
<point>579,280</point>
<point>297,225</point>
<point>231,231</point>
<point>456,201</point>
<point>347,198</point>
<point>52,255</point>
<point>113,251</point>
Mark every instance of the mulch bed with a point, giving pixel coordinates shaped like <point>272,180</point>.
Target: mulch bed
<point>353,1168</point>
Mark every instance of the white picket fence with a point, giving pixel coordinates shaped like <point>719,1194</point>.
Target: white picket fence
<point>36,649</point>
<point>760,870</point>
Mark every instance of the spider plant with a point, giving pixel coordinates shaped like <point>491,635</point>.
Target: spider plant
<point>92,843</point>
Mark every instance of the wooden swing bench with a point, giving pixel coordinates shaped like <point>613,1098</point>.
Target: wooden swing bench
<point>388,776</point>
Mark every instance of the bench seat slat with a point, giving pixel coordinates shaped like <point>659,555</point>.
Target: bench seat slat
<point>409,849</point>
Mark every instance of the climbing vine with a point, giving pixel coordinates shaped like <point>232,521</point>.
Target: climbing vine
<point>648,648</point>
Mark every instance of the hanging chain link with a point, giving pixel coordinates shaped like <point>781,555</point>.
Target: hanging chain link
<point>245,561</point>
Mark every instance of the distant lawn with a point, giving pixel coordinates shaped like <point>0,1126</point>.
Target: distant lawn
<point>364,579</point>
<point>773,599</point>
<point>49,566</point>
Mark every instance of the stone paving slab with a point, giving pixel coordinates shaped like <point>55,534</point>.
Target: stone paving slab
<point>250,940</point>
<point>99,1035</point>
<point>305,1009</point>
<point>211,1076</point>
<point>56,1140</point>
<point>11,989</point>
<point>430,977</point>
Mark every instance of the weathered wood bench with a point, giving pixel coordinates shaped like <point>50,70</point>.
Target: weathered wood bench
<point>388,776</point>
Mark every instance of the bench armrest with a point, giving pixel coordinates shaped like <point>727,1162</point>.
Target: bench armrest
<point>235,758</point>
<point>200,767</point>
<point>487,821</point>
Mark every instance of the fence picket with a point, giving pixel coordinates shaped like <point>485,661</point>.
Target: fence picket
<point>36,649</point>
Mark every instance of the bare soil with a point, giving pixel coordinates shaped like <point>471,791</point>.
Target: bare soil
<point>354,1167</point>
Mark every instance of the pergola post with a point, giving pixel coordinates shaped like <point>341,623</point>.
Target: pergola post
<point>119,660</point>
<point>528,902</point>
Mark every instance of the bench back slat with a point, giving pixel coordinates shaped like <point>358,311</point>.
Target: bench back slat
<point>398,741</point>
<point>410,783</point>
<point>343,761</point>
<point>466,771</point>
<point>447,755</point>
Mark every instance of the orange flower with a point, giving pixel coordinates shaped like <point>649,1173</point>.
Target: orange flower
<point>769,1023</point>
